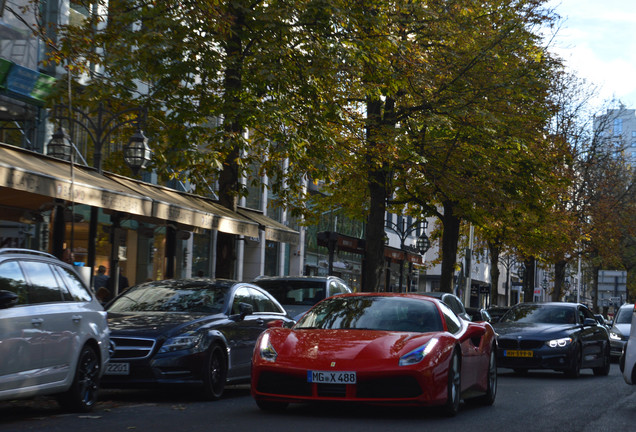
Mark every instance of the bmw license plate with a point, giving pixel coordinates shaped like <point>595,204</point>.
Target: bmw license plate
<point>117,369</point>
<point>331,377</point>
<point>518,353</point>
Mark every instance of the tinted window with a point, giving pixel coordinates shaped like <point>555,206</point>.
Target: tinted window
<point>453,324</point>
<point>262,303</point>
<point>454,304</point>
<point>166,298</point>
<point>586,313</point>
<point>75,287</point>
<point>624,315</point>
<point>374,313</point>
<point>12,279</point>
<point>44,288</point>
<point>242,295</point>
<point>546,314</point>
<point>294,292</point>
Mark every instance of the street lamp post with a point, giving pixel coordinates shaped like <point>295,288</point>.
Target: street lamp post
<point>403,231</point>
<point>544,285</point>
<point>99,124</point>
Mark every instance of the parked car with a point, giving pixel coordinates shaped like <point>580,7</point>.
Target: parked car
<point>478,314</point>
<point>628,357</point>
<point>602,321</point>
<point>452,301</point>
<point>496,312</point>
<point>560,336</point>
<point>53,331</point>
<point>190,332</point>
<point>299,293</point>
<point>620,329</point>
<point>376,348</point>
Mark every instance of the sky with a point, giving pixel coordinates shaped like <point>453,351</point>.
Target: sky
<point>597,40</point>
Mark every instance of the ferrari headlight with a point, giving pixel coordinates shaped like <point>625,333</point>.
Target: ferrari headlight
<point>418,354</point>
<point>615,336</point>
<point>559,343</point>
<point>266,349</point>
<point>183,341</point>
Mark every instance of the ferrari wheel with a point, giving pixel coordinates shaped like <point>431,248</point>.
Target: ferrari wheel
<point>491,390</point>
<point>575,366</point>
<point>605,368</point>
<point>82,395</point>
<point>270,405</point>
<point>214,373</point>
<point>454,386</point>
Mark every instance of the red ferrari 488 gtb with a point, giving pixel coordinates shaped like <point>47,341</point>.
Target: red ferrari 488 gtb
<point>377,348</point>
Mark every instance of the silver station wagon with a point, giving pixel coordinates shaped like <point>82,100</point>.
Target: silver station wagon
<point>54,336</point>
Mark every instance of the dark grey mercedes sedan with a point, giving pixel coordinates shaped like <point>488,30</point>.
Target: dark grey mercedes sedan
<point>189,332</point>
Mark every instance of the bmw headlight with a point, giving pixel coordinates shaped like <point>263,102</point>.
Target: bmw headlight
<point>418,354</point>
<point>182,342</point>
<point>266,349</point>
<point>559,343</point>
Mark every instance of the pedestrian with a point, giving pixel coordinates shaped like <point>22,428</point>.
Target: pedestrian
<point>123,283</point>
<point>103,295</point>
<point>101,279</point>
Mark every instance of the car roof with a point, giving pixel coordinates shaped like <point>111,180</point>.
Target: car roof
<point>296,278</point>
<point>436,294</point>
<point>562,304</point>
<point>194,283</point>
<point>13,252</point>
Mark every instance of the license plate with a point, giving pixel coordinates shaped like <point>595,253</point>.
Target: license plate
<point>117,369</point>
<point>518,353</point>
<point>330,377</point>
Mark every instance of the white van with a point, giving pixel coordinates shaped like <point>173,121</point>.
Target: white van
<point>628,359</point>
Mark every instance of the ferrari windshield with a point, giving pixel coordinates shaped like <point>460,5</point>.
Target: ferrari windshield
<point>543,314</point>
<point>157,297</point>
<point>373,313</point>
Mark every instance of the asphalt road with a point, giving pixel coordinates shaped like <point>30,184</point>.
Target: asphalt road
<point>540,401</point>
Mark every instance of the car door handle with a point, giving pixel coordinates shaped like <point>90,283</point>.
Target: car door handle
<point>260,321</point>
<point>37,322</point>
<point>76,318</point>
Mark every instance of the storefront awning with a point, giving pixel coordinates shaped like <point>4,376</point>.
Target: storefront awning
<point>274,230</point>
<point>32,181</point>
<point>189,210</point>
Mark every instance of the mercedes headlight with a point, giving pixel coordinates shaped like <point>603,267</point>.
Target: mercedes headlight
<point>182,342</point>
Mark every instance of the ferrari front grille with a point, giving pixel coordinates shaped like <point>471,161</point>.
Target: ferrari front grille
<point>331,390</point>
<point>283,384</point>
<point>395,387</point>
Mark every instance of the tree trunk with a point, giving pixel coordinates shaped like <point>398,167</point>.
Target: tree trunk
<point>377,184</point>
<point>528,280</point>
<point>229,186</point>
<point>559,278</point>
<point>494,273</point>
<point>450,237</point>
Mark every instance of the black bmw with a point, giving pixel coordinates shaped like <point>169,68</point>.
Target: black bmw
<point>560,336</point>
<point>198,332</point>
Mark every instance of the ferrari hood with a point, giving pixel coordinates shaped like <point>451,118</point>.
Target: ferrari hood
<point>317,346</point>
